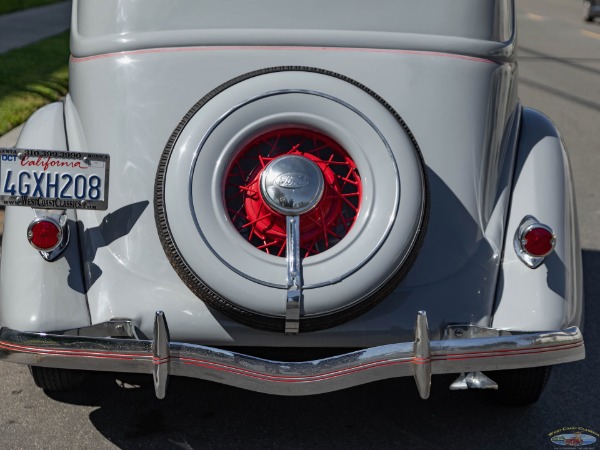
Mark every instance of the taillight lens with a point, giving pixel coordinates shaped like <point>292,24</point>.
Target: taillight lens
<point>533,242</point>
<point>538,241</point>
<point>44,235</point>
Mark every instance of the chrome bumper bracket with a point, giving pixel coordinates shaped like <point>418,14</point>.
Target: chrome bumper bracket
<point>473,380</point>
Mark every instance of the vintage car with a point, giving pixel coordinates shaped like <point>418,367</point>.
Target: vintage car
<point>292,198</point>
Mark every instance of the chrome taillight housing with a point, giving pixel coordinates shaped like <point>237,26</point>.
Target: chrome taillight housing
<point>534,241</point>
<point>48,233</point>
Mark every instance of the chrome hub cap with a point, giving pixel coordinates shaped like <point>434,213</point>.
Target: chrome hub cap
<point>292,185</point>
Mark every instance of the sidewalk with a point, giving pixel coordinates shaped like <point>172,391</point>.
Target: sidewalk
<point>31,25</point>
<point>25,27</point>
<point>10,139</point>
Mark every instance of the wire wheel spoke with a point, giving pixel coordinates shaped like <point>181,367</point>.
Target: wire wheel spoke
<point>321,228</point>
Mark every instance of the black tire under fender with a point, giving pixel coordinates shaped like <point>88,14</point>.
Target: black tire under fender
<point>520,387</point>
<point>56,380</point>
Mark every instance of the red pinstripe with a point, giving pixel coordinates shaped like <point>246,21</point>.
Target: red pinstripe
<point>279,48</point>
<point>283,378</point>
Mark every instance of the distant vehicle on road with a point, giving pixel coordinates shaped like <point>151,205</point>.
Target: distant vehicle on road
<point>591,10</point>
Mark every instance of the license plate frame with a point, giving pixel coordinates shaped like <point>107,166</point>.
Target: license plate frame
<point>78,180</point>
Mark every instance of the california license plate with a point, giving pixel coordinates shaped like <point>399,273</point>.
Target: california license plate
<point>54,179</point>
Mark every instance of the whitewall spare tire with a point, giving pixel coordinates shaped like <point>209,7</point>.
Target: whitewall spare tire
<point>228,243</point>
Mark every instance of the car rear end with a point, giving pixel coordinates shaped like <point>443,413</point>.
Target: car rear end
<point>363,181</point>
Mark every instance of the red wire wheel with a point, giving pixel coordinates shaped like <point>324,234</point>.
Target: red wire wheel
<point>323,226</point>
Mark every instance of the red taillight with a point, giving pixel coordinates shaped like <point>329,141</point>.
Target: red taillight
<point>44,235</point>
<point>538,241</point>
<point>533,241</point>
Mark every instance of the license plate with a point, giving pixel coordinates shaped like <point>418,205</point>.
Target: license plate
<point>54,179</point>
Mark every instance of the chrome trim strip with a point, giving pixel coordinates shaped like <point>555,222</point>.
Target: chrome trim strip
<point>294,378</point>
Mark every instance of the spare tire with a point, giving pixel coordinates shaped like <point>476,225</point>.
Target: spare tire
<point>226,242</point>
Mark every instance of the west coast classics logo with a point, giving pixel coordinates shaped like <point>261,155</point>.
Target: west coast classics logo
<point>574,437</point>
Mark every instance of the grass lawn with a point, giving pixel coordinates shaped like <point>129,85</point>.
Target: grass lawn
<point>7,6</point>
<point>31,77</point>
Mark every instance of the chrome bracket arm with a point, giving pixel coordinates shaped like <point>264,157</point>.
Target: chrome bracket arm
<point>294,275</point>
<point>292,185</point>
<point>473,380</point>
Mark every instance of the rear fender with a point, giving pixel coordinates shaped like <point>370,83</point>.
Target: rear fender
<point>550,296</point>
<point>36,294</point>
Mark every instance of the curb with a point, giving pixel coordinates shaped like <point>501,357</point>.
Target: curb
<point>9,139</point>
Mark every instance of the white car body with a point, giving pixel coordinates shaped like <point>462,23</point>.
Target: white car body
<point>401,85</point>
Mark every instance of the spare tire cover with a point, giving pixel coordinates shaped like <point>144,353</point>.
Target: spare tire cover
<point>212,252</point>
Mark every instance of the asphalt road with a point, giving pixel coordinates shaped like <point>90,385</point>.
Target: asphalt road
<point>560,75</point>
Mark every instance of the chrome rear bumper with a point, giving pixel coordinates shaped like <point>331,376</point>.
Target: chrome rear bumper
<point>458,352</point>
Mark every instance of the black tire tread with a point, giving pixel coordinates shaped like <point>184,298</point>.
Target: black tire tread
<point>520,387</point>
<point>56,380</point>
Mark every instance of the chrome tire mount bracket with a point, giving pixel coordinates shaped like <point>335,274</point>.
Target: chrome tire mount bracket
<point>292,185</point>
<point>294,278</point>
